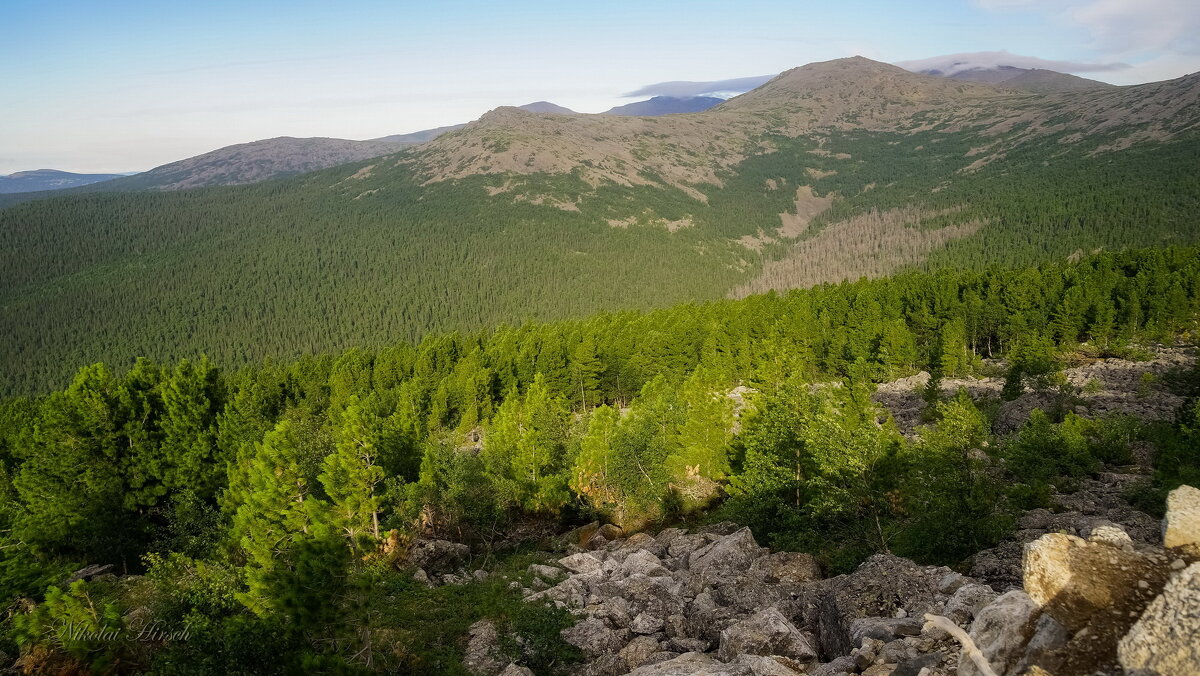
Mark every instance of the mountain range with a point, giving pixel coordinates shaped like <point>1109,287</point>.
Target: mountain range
<point>831,171</point>
<point>287,156</point>
<point>48,179</point>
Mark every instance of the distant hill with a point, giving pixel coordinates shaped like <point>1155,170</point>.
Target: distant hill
<point>255,161</point>
<point>419,136</point>
<point>48,179</point>
<point>666,105</point>
<point>546,107</point>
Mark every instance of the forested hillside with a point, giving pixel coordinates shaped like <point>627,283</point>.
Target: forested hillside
<point>829,172</point>
<point>264,507</point>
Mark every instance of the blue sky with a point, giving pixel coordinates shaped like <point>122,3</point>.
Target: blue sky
<point>125,86</point>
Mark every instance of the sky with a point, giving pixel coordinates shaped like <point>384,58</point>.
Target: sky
<point>126,85</point>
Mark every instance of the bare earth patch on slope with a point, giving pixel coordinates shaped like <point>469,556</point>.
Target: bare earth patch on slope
<point>808,206</point>
<point>868,245</point>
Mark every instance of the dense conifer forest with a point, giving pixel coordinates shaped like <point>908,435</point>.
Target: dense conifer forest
<point>370,254</point>
<point>262,506</point>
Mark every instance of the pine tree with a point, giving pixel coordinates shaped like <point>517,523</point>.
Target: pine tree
<point>699,455</point>
<point>351,476</point>
<point>955,360</point>
<point>276,510</point>
<point>592,474</point>
<point>586,368</point>
<point>191,400</point>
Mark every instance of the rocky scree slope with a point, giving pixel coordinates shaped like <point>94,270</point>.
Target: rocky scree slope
<point>715,602</point>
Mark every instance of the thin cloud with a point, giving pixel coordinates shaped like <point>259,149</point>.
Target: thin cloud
<point>686,88</point>
<point>1127,26</point>
<point>957,63</point>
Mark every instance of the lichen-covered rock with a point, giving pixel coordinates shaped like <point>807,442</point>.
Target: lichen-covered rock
<point>643,562</point>
<point>639,650</point>
<point>543,572</point>
<point>581,563</point>
<point>775,665</point>
<point>645,623</point>
<point>1096,591</point>
<point>642,541</point>
<point>609,664</point>
<point>595,638</point>
<point>840,665</point>
<point>693,664</point>
<point>767,632</point>
<point>1166,639</point>
<point>516,670</point>
<point>483,656</point>
<point>1001,631</point>
<point>1181,525</point>
<point>787,568</point>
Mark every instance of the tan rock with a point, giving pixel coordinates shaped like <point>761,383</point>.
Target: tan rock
<point>1181,526</point>
<point>1166,640</point>
<point>1095,590</point>
<point>1074,578</point>
<point>1111,536</point>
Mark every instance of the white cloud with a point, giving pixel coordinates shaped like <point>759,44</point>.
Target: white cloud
<point>957,63</point>
<point>1160,38</point>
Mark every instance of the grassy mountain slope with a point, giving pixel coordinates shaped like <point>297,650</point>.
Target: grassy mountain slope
<point>833,170</point>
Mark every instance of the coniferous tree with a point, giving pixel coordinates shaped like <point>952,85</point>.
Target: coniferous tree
<point>277,509</point>
<point>351,476</point>
<point>586,368</point>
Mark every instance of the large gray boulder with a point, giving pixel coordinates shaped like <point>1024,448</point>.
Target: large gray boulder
<point>731,555</point>
<point>437,556</point>
<point>967,601</point>
<point>596,638</point>
<point>1166,640</point>
<point>1001,631</point>
<point>766,632</point>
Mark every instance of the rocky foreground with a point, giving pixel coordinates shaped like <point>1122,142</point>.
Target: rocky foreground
<point>715,602</point>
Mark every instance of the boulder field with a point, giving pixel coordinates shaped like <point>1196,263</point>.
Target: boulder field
<point>716,602</point>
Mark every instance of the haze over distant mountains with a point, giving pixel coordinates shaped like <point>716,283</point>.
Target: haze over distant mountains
<point>1014,71</point>
<point>48,179</point>
<point>666,105</point>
